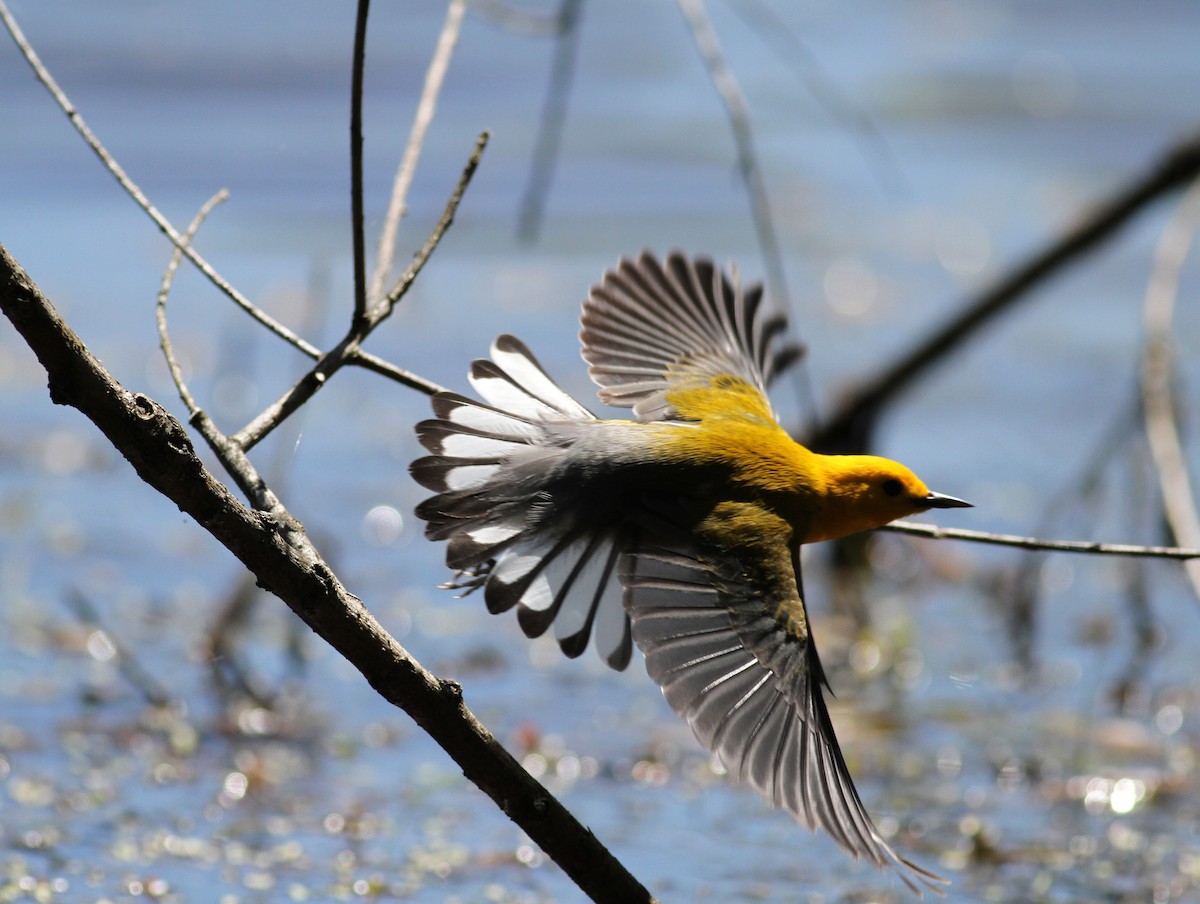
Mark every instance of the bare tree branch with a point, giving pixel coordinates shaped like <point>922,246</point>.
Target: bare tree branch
<point>1158,405</point>
<point>359,358</point>
<point>111,164</point>
<point>723,79</point>
<point>933,532</point>
<point>270,542</point>
<point>852,424</point>
<point>275,548</point>
<point>359,319</point>
<point>554,116</point>
<point>435,75</point>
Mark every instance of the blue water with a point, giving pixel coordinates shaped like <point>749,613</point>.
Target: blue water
<point>992,127</point>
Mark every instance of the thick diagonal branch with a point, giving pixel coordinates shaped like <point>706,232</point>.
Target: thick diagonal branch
<point>274,547</point>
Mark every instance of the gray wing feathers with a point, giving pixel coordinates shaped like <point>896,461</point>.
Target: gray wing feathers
<point>751,693</point>
<point>649,322</point>
<point>488,466</point>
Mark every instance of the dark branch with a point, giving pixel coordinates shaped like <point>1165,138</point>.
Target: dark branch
<point>851,426</point>
<point>356,165</point>
<point>275,549</point>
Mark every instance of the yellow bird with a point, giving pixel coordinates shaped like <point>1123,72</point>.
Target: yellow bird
<point>679,531</point>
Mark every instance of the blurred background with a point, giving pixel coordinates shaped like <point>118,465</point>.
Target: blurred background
<point>1025,725</point>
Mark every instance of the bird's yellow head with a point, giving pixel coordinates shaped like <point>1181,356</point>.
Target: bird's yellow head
<point>862,492</point>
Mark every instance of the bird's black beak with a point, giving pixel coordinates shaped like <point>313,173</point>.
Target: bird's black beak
<point>937,500</point>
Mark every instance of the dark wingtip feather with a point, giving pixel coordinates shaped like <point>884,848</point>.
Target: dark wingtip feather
<point>500,597</point>
<point>574,645</point>
<point>430,433</point>
<point>445,402</point>
<point>619,658</point>
<point>430,472</point>
<point>534,622</point>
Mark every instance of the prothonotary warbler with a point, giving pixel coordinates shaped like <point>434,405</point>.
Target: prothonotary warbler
<point>679,530</point>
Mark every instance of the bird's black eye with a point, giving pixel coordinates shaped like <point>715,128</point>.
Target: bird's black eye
<point>892,486</point>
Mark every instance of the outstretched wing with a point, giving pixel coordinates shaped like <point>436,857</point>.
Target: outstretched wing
<point>724,635</point>
<point>492,467</point>
<point>652,327</point>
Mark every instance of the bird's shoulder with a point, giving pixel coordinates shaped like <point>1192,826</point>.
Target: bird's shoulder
<point>654,328</point>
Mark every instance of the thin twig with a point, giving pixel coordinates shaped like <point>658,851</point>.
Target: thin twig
<point>356,166</point>
<point>796,55</point>
<point>377,365</point>
<point>1158,405</point>
<point>516,20</point>
<point>727,87</point>
<point>435,75</point>
<point>550,126</point>
<point>295,396</point>
<point>131,188</point>
<point>360,358</point>
<point>851,427</point>
<point>933,532</point>
<point>164,292</point>
<point>439,229</point>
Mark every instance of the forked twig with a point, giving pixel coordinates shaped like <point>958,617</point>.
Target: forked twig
<point>274,547</point>
<point>347,351</point>
<point>360,358</point>
<point>232,457</point>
